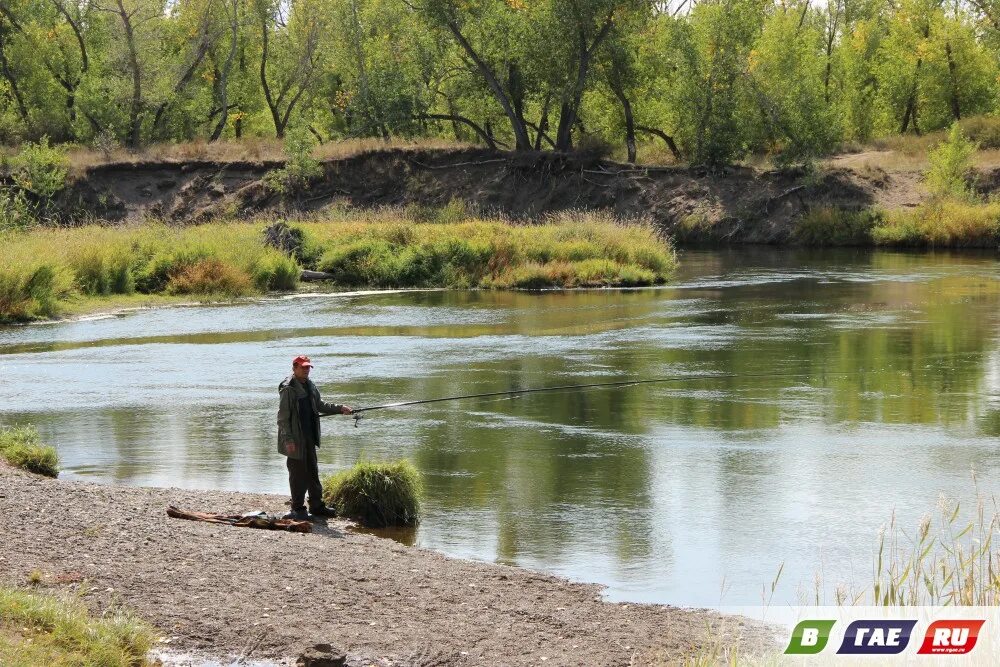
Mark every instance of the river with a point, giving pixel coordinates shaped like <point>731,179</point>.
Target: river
<point>860,384</point>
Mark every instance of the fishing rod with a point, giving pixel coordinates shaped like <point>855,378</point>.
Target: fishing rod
<point>359,412</point>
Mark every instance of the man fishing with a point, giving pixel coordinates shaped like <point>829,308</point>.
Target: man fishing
<point>299,409</point>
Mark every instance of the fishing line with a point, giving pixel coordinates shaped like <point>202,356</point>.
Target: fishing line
<point>358,412</point>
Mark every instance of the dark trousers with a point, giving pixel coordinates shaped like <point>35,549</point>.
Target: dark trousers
<point>303,476</point>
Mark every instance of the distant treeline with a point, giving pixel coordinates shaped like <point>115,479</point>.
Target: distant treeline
<point>710,81</point>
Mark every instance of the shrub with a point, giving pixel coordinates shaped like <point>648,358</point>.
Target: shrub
<point>40,168</point>
<point>301,167</point>
<point>15,212</point>
<point>951,164</point>
<point>830,225</point>
<point>22,448</point>
<point>376,494</point>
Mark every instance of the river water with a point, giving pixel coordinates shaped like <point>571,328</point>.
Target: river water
<point>866,384</point>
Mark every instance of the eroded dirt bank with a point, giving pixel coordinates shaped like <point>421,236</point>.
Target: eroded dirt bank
<point>736,205</point>
<point>225,590</point>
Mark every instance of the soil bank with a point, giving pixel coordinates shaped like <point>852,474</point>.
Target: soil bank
<point>730,205</point>
<point>232,591</point>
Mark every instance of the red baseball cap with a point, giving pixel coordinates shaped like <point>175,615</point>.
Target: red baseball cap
<point>302,360</point>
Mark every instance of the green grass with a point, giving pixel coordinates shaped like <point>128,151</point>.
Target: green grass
<point>42,270</point>
<point>936,223</point>
<point>941,223</point>
<point>37,629</point>
<point>572,250</point>
<point>46,272</point>
<point>21,447</point>
<point>376,494</point>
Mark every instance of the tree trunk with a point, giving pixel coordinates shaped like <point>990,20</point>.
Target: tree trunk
<point>666,138</point>
<point>570,107</point>
<point>629,120</point>
<point>135,106</point>
<point>956,110</point>
<point>521,140</point>
<point>223,78</point>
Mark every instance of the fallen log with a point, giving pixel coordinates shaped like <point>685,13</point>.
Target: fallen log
<point>248,520</point>
<point>311,276</point>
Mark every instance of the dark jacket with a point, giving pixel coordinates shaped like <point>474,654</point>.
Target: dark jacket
<point>289,425</point>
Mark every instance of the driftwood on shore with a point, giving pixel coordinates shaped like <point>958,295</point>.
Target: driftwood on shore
<point>311,276</point>
<point>262,521</point>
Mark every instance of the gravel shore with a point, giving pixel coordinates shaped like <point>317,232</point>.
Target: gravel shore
<point>227,592</point>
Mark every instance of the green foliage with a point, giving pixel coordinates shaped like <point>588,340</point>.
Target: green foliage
<point>40,629</point>
<point>40,168</point>
<point>301,167</point>
<point>950,166</point>
<point>376,494</point>
<point>21,447</point>
<point>15,212</point>
<point>833,226</point>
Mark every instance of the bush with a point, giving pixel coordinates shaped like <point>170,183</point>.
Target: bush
<point>22,448</point>
<point>829,225</point>
<point>40,169</point>
<point>951,165</point>
<point>301,167</point>
<point>15,212</point>
<point>376,494</point>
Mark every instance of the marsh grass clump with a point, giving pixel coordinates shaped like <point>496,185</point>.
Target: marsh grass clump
<point>39,629</point>
<point>21,447</point>
<point>376,494</point>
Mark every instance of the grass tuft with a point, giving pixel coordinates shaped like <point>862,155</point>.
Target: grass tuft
<point>21,447</point>
<point>37,629</point>
<point>376,494</point>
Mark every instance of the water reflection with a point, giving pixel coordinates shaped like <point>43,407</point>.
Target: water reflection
<point>857,383</point>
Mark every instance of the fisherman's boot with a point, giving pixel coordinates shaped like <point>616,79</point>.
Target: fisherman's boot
<point>298,515</point>
<point>322,510</point>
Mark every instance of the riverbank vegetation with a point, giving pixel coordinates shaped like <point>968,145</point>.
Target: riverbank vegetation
<point>376,494</point>
<point>954,214</point>
<point>43,271</point>
<point>704,83</point>
<point>40,629</point>
<point>21,447</point>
